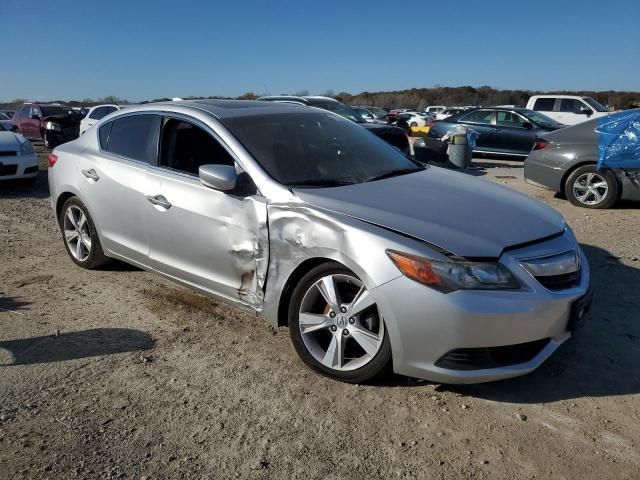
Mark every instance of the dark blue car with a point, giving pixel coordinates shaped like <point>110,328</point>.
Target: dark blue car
<point>501,131</point>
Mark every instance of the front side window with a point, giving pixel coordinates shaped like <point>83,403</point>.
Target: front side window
<point>317,149</point>
<point>134,137</point>
<point>185,147</point>
<point>544,104</point>
<point>571,105</point>
<point>479,116</point>
<point>509,119</point>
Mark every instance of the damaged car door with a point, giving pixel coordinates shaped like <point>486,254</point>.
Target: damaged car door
<point>213,239</point>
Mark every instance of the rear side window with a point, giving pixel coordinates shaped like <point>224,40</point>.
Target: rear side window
<point>134,137</point>
<point>480,116</point>
<point>544,104</point>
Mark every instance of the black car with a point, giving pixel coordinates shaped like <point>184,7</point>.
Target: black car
<point>393,135</point>
<point>501,131</point>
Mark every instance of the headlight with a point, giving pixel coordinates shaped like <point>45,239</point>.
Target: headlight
<point>449,276</point>
<point>26,148</point>
<point>52,126</point>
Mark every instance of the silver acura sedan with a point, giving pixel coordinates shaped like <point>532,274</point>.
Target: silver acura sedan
<point>308,220</point>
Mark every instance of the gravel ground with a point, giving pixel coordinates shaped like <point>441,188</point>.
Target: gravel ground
<point>121,374</point>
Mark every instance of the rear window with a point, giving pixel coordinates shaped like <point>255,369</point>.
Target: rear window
<point>134,137</point>
<point>544,104</point>
<point>101,112</point>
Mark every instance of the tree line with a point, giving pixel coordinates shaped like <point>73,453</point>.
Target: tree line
<point>414,98</point>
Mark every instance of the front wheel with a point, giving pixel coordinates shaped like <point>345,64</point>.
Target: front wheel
<point>335,325</point>
<point>49,140</point>
<point>591,188</point>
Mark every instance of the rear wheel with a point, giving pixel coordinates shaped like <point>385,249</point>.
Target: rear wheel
<point>335,325</point>
<point>590,188</point>
<point>80,236</point>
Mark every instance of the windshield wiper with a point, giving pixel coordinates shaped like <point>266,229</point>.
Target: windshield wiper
<point>395,173</point>
<point>321,182</point>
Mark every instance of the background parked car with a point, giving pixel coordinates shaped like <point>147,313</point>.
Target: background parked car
<point>6,123</point>
<point>18,158</point>
<point>567,109</point>
<point>372,114</point>
<point>391,134</point>
<point>8,113</point>
<point>52,123</point>
<point>435,109</point>
<point>566,161</point>
<point>96,114</point>
<point>511,132</point>
<point>447,112</point>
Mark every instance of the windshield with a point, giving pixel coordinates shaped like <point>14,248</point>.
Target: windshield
<point>4,116</point>
<point>594,104</point>
<point>539,118</point>
<point>317,149</point>
<point>378,112</point>
<point>342,110</point>
<point>48,111</point>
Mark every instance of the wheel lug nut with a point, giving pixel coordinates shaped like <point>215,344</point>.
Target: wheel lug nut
<point>343,309</point>
<point>332,314</point>
<point>352,320</point>
<point>345,332</point>
<point>333,328</point>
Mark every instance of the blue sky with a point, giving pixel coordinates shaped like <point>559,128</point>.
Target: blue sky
<point>139,50</point>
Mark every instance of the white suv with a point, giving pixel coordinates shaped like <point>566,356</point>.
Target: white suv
<point>567,109</point>
<point>96,114</point>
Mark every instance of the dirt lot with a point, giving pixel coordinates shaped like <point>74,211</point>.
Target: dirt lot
<point>120,374</point>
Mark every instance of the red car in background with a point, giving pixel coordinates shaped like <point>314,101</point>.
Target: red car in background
<point>54,124</point>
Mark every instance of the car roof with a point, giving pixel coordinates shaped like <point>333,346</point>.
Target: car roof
<point>232,108</point>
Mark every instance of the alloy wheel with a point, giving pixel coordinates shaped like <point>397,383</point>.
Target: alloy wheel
<point>76,233</point>
<point>590,188</point>
<point>339,323</point>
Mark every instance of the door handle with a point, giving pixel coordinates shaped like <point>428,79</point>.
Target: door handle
<point>160,201</point>
<point>91,174</point>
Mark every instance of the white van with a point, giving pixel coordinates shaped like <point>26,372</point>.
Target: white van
<point>567,109</point>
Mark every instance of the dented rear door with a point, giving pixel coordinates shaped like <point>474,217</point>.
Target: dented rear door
<point>213,240</point>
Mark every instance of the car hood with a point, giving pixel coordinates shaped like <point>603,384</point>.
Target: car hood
<point>64,120</point>
<point>463,215</point>
<point>10,142</point>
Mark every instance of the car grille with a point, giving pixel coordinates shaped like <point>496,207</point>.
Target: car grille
<point>8,154</point>
<point>491,357</point>
<point>8,170</point>
<point>560,282</point>
<point>556,272</point>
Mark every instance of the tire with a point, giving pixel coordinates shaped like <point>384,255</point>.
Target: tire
<point>357,331</point>
<point>589,188</point>
<point>49,142</point>
<point>413,124</point>
<point>89,254</point>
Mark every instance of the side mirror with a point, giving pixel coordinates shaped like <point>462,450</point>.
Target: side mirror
<point>527,125</point>
<point>218,177</point>
<point>586,111</point>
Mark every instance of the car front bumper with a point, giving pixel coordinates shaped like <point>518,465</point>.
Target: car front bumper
<point>18,167</point>
<point>518,330</point>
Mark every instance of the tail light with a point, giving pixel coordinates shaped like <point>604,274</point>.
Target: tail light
<point>540,144</point>
<point>52,160</point>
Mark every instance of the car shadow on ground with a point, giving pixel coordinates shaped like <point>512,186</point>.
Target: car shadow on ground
<point>602,359</point>
<point>74,345</point>
<point>38,188</point>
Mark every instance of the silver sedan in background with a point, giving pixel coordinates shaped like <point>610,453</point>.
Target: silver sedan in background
<point>309,220</point>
